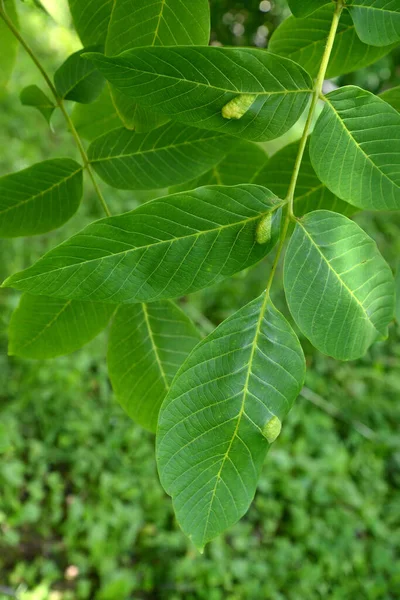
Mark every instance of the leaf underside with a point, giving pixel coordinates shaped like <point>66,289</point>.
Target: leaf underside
<point>377,22</point>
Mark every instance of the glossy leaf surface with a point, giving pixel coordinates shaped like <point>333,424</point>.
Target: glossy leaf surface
<point>43,327</point>
<point>339,289</point>
<point>148,344</point>
<point>304,41</point>
<point>33,96</point>
<point>212,437</point>
<point>78,80</point>
<point>355,149</point>
<point>164,249</point>
<point>195,84</point>
<point>91,19</point>
<point>377,22</point>
<point>167,155</point>
<point>39,198</point>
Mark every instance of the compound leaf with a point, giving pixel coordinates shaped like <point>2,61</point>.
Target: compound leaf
<point>304,41</point>
<point>302,9</point>
<point>148,344</point>
<point>339,289</point>
<point>8,44</point>
<point>33,96</point>
<point>91,19</point>
<point>166,248</point>
<point>43,327</point>
<point>377,22</point>
<point>310,193</point>
<point>158,159</point>
<point>392,97</point>
<point>355,149</point>
<point>92,121</point>
<point>221,414</point>
<point>39,198</point>
<point>245,92</point>
<point>78,80</point>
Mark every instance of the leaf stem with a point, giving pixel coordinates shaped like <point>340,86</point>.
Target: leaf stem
<point>59,102</point>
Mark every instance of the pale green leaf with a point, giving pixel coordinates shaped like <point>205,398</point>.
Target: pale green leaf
<point>148,344</point>
<point>339,289</point>
<point>355,149</point>
<point>398,295</point>
<point>39,198</point>
<point>132,115</point>
<point>92,121</point>
<point>392,97</point>
<point>241,165</point>
<point>43,327</point>
<point>195,84</point>
<point>303,8</point>
<point>310,193</point>
<point>304,41</point>
<point>377,22</point>
<point>8,44</point>
<point>33,96</point>
<point>78,80</point>
<point>166,248</point>
<point>91,19</point>
<point>222,412</point>
<point>158,159</point>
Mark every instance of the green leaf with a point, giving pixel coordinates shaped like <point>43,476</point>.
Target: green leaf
<point>8,44</point>
<point>196,85</point>
<point>78,80</point>
<point>310,193</point>
<point>392,97</point>
<point>33,96</point>
<point>158,159</point>
<point>302,9</point>
<point>241,165</point>
<point>133,116</point>
<point>43,327</point>
<point>398,295</point>
<point>355,149</point>
<point>39,198</point>
<point>166,248</point>
<point>304,41</point>
<point>91,19</point>
<point>377,22</point>
<point>227,400</point>
<point>95,119</point>
<point>339,289</point>
<point>148,344</point>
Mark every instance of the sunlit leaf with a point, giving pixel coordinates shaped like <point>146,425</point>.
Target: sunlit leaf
<point>339,289</point>
<point>148,344</point>
<point>78,80</point>
<point>224,409</point>
<point>91,19</point>
<point>33,96</point>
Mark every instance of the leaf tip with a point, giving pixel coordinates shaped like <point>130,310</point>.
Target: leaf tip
<point>238,107</point>
<point>272,429</point>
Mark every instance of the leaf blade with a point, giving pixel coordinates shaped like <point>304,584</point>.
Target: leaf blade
<point>91,19</point>
<point>76,79</point>
<point>33,96</point>
<point>377,22</point>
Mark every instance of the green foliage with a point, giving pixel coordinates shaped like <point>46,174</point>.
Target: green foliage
<point>8,44</point>
<point>392,97</point>
<point>97,118</point>
<point>377,22</point>
<point>77,80</point>
<point>91,19</point>
<point>35,97</point>
<point>302,9</point>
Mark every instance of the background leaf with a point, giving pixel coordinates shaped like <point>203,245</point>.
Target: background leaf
<point>377,22</point>
<point>211,441</point>
<point>302,9</point>
<point>167,155</point>
<point>92,121</point>
<point>148,344</point>
<point>164,249</point>
<point>241,165</point>
<point>39,198</point>
<point>310,193</point>
<point>339,289</point>
<point>194,84</point>
<point>43,327</point>
<point>91,19</point>
<point>35,97</point>
<point>392,97</point>
<point>355,149</point>
<point>8,44</point>
<point>304,41</point>
<point>78,80</point>
<point>132,115</point>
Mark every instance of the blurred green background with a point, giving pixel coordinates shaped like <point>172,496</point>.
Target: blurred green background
<point>82,514</point>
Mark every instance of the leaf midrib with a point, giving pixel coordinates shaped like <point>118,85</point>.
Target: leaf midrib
<point>47,325</point>
<point>154,346</point>
<point>365,7</point>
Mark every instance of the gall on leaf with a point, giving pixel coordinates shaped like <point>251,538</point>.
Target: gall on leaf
<point>238,107</point>
<point>272,429</point>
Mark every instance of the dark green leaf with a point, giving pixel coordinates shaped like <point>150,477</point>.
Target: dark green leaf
<point>91,19</point>
<point>310,193</point>
<point>392,97</point>
<point>244,92</point>
<point>33,96</point>
<point>304,41</point>
<point>377,22</point>
<point>224,409</point>
<point>43,327</point>
<point>339,289</point>
<point>8,44</point>
<point>303,8</point>
<point>164,249</point>
<point>39,198</point>
<point>355,149</point>
<point>78,80</point>
<point>148,344</point>
<point>92,121</point>
<point>158,159</point>
<point>241,165</point>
